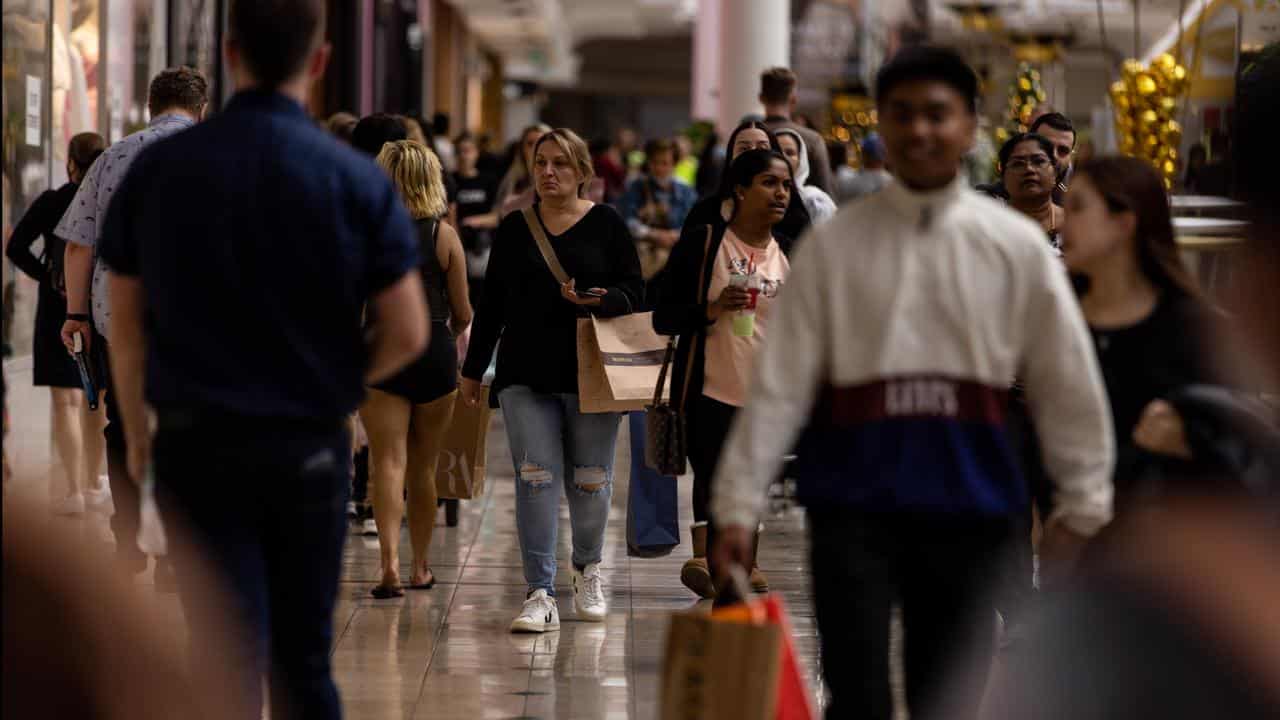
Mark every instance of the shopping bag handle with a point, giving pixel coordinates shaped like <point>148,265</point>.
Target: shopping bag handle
<point>742,585</point>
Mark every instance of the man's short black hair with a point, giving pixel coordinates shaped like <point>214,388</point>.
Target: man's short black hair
<point>275,37</point>
<point>1057,121</point>
<point>929,62</point>
<point>183,88</point>
<point>374,131</point>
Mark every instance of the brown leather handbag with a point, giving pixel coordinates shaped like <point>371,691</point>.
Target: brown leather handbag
<point>666,448</point>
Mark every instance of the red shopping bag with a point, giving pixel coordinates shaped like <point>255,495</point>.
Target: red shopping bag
<point>793,700</point>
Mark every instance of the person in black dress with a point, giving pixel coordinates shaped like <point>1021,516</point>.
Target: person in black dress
<point>1151,326</point>
<point>407,415</point>
<point>77,430</point>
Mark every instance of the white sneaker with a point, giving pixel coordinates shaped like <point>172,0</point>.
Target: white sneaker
<point>369,528</point>
<point>99,500</point>
<point>588,594</point>
<point>69,505</point>
<point>538,615</point>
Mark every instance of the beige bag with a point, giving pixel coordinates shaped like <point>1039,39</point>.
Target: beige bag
<point>460,470</point>
<point>619,359</point>
<point>720,670</point>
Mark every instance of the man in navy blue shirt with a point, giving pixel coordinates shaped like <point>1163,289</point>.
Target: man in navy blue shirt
<point>241,255</point>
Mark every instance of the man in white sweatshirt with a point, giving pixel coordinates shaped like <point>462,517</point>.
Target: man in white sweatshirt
<point>906,319</point>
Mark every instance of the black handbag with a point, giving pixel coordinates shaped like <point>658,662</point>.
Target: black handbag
<point>666,448</point>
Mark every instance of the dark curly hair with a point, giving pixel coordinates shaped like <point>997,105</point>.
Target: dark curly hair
<point>184,88</point>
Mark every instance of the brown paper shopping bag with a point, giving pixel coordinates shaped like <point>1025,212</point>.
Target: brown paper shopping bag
<point>460,469</point>
<point>720,669</point>
<point>619,361</point>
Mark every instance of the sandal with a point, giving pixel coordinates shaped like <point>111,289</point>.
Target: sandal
<point>426,585</point>
<point>382,592</point>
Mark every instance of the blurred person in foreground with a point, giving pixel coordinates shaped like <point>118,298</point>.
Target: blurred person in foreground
<point>894,363</point>
<point>113,653</point>
<point>247,340</point>
<point>177,99</point>
<point>1177,619</point>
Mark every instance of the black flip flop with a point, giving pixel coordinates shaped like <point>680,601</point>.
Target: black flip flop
<point>382,592</point>
<point>426,585</point>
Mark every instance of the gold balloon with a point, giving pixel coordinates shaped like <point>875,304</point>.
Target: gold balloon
<point>1035,74</point>
<point>1168,105</point>
<point>1131,68</point>
<point>1128,145</point>
<point>1040,95</point>
<point>1149,118</point>
<point>1150,142</point>
<point>1171,133</point>
<point>1145,84</point>
<point>1118,90</point>
<point>1169,167</point>
<point>1164,62</point>
<point>1024,84</point>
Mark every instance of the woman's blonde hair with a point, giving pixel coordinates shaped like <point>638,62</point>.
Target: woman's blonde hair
<point>576,148</point>
<point>415,170</point>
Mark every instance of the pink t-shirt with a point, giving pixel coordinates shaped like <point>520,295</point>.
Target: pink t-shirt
<point>729,357</point>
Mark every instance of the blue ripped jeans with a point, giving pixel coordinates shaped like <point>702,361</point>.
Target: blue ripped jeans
<point>554,445</point>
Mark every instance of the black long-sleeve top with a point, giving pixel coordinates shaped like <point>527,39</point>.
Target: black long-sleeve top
<point>523,307</point>
<point>40,220</point>
<point>1146,361</point>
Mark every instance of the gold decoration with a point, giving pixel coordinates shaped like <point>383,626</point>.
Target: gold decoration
<point>1145,84</point>
<point>1145,102</point>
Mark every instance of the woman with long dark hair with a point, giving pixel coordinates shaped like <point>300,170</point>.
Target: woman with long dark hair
<point>707,299</point>
<point>715,209</point>
<point>1151,326</point>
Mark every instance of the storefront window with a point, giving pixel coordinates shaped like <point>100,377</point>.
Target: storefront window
<point>74,94</point>
<point>25,104</point>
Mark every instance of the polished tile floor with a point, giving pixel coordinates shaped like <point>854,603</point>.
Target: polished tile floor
<point>446,653</point>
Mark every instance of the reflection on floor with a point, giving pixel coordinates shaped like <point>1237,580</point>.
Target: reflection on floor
<point>446,652</point>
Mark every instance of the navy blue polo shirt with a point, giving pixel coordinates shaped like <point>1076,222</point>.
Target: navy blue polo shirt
<point>258,238</point>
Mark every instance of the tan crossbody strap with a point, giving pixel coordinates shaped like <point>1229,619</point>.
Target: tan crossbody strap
<point>693,349</point>
<point>544,245</point>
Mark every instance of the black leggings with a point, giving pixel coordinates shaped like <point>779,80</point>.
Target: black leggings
<point>708,429</point>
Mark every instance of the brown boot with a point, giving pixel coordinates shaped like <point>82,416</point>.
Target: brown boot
<point>759,583</point>
<point>695,575</point>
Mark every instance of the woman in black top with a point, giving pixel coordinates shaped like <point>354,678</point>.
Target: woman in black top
<point>1029,178</point>
<point>552,443</point>
<point>1151,326</point>
<point>715,209</point>
<point>77,430</point>
<point>406,416</point>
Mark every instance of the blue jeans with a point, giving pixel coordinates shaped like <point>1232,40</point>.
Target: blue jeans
<point>552,444</point>
<point>265,501</point>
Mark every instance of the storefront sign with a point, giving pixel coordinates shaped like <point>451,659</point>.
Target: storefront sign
<point>34,89</point>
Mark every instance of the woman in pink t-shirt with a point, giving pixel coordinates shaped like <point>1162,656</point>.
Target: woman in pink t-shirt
<point>717,297</point>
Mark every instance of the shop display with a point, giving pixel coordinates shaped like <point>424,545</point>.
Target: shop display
<point>1145,102</point>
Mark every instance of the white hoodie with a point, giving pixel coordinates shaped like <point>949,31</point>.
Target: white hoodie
<point>819,204</point>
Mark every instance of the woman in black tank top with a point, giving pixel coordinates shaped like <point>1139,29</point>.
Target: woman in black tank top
<point>406,416</point>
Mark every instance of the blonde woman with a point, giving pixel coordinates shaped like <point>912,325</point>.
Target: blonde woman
<point>406,416</point>
<point>553,445</point>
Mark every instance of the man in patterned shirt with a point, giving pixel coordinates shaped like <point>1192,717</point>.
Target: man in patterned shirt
<point>177,99</point>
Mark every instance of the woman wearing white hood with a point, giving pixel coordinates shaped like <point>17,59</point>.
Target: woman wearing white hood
<point>819,204</point>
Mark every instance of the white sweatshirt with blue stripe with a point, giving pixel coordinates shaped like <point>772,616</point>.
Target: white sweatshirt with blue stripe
<point>890,356</point>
